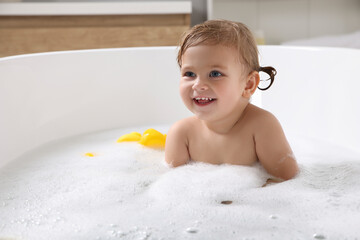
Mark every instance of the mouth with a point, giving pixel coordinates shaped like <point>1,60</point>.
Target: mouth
<point>203,101</point>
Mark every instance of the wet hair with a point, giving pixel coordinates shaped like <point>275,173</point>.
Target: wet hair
<point>229,34</point>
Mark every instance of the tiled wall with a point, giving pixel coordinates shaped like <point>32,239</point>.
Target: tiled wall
<point>284,20</point>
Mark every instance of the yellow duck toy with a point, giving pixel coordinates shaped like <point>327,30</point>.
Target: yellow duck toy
<point>150,138</point>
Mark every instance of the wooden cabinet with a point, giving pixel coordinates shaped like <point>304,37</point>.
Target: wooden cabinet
<point>21,34</point>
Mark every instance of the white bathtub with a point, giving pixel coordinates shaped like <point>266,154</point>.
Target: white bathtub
<point>55,95</point>
<point>50,96</point>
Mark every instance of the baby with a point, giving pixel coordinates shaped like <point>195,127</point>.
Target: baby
<point>219,67</point>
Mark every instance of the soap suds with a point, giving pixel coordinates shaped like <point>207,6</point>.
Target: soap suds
<point>126,191</point>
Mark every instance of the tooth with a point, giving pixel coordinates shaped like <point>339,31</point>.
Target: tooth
<point>203,98</point>
<point>210,99</point>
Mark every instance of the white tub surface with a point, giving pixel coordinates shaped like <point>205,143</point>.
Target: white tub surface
<point>51,104</point>
<point>48,96</point>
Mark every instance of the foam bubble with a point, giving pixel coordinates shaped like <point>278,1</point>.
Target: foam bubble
<point>207,183</point>
<point>319,236</point>
<point>126,191</point>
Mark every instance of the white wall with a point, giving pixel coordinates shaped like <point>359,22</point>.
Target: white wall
<point>285,20</point>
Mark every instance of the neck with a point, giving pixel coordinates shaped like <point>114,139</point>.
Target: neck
<point>226,124</point>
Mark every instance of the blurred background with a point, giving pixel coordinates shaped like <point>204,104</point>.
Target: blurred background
<point>30,26</point>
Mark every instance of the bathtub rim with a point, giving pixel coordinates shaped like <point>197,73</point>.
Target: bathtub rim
<point>260,47</point>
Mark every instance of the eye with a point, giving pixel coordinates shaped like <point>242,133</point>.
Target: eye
<point>215,74</point>
<point>189,74</point>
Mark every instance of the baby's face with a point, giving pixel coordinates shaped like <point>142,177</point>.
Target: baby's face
<point>212,81</point>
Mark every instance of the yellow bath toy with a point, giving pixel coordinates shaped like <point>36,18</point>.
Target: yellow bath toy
<point>150,138</point>
<point>130,137</point>
<point>89,154</point>
<point>153,138</point>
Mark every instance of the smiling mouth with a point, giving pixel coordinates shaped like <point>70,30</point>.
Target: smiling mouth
<point>203,101</point>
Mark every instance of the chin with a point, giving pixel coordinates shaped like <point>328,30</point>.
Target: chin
<point>204,117</point>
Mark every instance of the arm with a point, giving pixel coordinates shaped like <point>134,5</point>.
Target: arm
<point>176,146</point>
<point>273,150</point>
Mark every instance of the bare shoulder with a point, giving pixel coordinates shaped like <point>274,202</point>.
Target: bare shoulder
<point>259,112</point>
<point>260,117</point>
<point>183,126</point>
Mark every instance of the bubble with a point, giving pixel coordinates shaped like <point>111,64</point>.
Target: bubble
<point>135,228</point>
<point>319,236</point>
<point>101,192</point>
<point>273,217</point>
<point>191,230</point>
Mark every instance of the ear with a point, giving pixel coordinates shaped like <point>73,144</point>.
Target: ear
<point>252,81</point>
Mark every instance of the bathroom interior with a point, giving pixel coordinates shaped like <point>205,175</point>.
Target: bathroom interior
<point>77,75</point>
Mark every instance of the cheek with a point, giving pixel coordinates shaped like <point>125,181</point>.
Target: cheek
<point>224,90</point>
<point>230,92</point>
<point>184,90</point>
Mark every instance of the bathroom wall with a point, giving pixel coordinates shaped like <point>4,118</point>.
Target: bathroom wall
<point>284,20</point>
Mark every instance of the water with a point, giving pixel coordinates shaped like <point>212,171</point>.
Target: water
<point>126,191</point>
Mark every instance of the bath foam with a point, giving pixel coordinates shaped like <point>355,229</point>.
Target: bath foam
<point>126,191</point>
<point>206,183</point>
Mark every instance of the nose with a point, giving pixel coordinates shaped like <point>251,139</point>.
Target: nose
<point>200,85</point>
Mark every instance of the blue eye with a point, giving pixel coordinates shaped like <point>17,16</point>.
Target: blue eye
<point>189,74</point>
<point>215,74</point>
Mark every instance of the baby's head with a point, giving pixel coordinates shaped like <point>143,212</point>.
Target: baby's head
<point>230,34</point>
